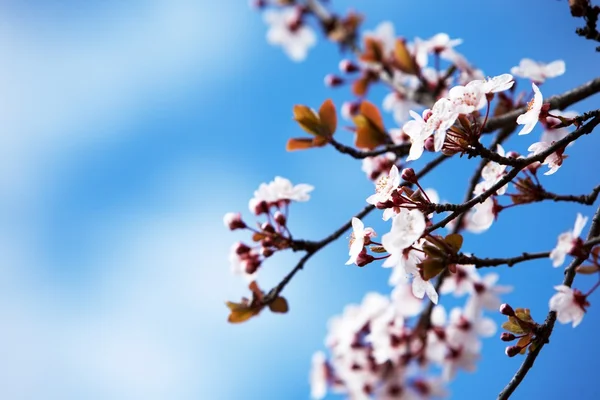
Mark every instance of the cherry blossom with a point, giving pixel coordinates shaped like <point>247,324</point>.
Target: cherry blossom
<point>553,161</point>
<point>498,83</point>
<point>407,228</point>
<point>567,242</point>
<point>569,305</point>
<point>443,115</point>
<point>280,189</point>
<point>385,186</point>
<point>531,116</point>
<point>400,105</point>
<point>415,129</point>
<point>486,293</point>
<point>422,287</point>
<point>538,71</point>
<point>481,217</point>
<point>439,44</point>
<point>460,282</point>
<point>374,167</point>
<point>552,134</point>
<point>288,31</point>
<point>491,174</point>
<point>469,98</point>
<point>358,238</point>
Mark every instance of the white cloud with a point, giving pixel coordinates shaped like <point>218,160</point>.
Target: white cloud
<point>66,77</point>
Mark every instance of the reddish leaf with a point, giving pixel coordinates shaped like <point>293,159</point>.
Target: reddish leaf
<point>279,305</point>
<point>294,144</point>
<point>328,117</point>
<point>361,85</point>
<point>587,269</point>
<point>308,119</point>
<point>372,113</point>
<point>431,268</point>
<point>404,60</point>
<point>373,50</point>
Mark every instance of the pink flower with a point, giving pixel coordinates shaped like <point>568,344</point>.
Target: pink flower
<point>440,44</point>
<point>415,129</point>
<point>567,241</point>
<point>538,71</point>
<point>407,228</point>
<point>531,116</point>
<point>491,174</point>
<point>569,305</point>
<point>481,217</point>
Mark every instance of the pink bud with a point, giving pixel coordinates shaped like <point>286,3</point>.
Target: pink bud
<point>364,258</point>
<point>408,174</point>
<point>280,218</point>
<point>512,351</point>
<point>333,80</point>
<point>505,309</point>
<point>350,109</point>
<point>266,252</point>
<point>348,66</point>
<point>267,227</point>
<point>234,221</point>
<point>241,249</point>
<point>429,144</point>
<point>507,337</point>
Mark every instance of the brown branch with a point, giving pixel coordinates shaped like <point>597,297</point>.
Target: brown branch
<point>559,102</point>
<point>587,199</point>
<point>518,164</point>
<point>590,15</point>
<point>545,330</point>
<point>510,261</point>
<point>400,150</point>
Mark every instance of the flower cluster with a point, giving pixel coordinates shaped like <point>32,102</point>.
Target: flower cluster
<point>380,349</point>
<point>270,200</point>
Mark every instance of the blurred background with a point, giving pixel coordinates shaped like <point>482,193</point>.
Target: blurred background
<point>129,128</point>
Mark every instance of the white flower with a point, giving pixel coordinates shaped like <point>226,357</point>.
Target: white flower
<point>566,242</point>
<point>406,303</point>
<point>552,134</point>
<point>385,186</point>
<point>498,83</point>
<point>461,282</point>
<point>554,160</point>
<point>439,43</point>
<point>531,116</point>
<point>357,239</point>
<point>318,376</point>
<point>400,105</point>
<point>485,293</point>
<point>538,71</point>
<point>407,227</point>
<point>481,216</point>
<point>283,189</point>
<point>420,287</point>
<point>415,129</point>
<point>375,166</point>
<point>569,305</point>
<point>443,115</point>
<point>469,98</point>
<point>287,30</point>
<point>491,174</point>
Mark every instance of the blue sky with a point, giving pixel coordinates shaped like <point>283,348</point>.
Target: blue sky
<point>130,128</point>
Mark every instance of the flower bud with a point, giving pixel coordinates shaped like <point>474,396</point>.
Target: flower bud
<point>333,80</point>
<point>267,227</point>
<point>512,351</point>
<point>241,249</point>
<point>251,265</point>
<point>258,4</point>
<point>505,309</point>
<point>429,144</point>
<point>507,337</point>
<point>266,251</point>
<point>364,258</point>
<point>512,154</point>
<point>350,109</point>
<point>347,66</point>
<point>234,221</point>
<point>408,174</point>
<point>280,218</point>
<point>579,7</point>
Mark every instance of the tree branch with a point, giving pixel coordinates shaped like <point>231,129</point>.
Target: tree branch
<point>518,164</point>
<point>559,102</point>
<point>400,150</point>
<point>545,330</point>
